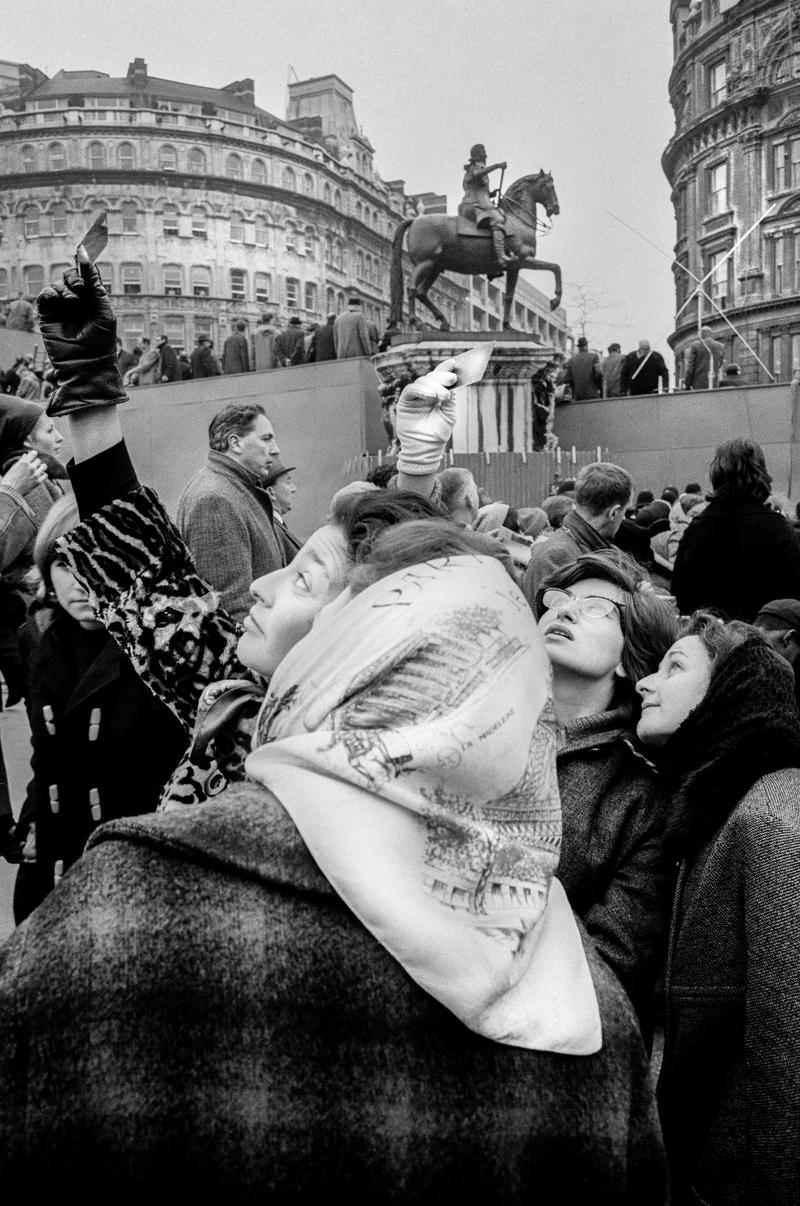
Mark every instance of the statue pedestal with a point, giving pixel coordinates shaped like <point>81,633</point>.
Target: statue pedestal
<point>499,413</point>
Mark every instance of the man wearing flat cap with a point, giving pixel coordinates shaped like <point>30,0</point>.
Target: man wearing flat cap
<point>282,488</point>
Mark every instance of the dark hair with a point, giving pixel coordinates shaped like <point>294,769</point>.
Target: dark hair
<point>670,494</point>
<point>420,540</point>
<point>363,517</point>
<point>739,470</point>
<point>236,419</point>
<point>693,488</point>
<point>565,487</point>
<point>644,497</point>
<point>241,326</point>
<point>602,485</point>
<point>381,475</point>
<point>718,635</point>
<point>649,621</point>
<point>556,508</point>
<point>614,347</point>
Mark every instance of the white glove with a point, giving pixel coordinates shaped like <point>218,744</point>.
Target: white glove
<point>425,418</point>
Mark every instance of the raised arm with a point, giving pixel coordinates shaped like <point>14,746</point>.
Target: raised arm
<point>425,417</point>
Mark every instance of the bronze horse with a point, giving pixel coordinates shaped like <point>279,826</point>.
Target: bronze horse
<point>435,245</point>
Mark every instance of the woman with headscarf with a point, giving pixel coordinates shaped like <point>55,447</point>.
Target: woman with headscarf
<point>721,717</point>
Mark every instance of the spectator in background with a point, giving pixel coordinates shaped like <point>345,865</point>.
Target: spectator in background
<point>611,369</point>
<point>351,334</point>
<point>693,488</point>
<point>731,374</point>
<point>459,495</point>
<point>289,344</point>
<point>168,360</point>
<point>21,314</point>
<point>556,507</point>
<point>739,553</point>
<point>30,385</point>
<point>146,372</point>
<point>703,361</point>
<point>184,367</point>
<point>670,494</point>
<point>11,377</point>
<point>282,488</point>
<point>322,346</point>
<point>126,360</point>
<point>235,350</point>
<point>665,543</point>
<point>565,487</point>
<point>779,620</point>
<point>307,338</point>
<point>644,371</point>
<point>583,374</point>
<point>264,343</point>
<point>203,362</point>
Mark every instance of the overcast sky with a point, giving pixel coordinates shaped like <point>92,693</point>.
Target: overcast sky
<point>577,87</point>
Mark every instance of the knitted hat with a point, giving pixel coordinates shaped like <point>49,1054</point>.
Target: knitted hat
<point>786,611</point>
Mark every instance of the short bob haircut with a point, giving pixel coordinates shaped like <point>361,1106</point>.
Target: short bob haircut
<point>61,518</point>
<point>649,621</point>
<point>421,540</point>
<point>739,470</point>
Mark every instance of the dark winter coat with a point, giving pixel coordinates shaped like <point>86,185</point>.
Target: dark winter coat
<point>195,1006</point>
<point>643,377</point>
<point>236,353</point>
<point>168,363</point>
<point>289,345</point>
<point>735,556</point>
<point>73,677</point>
<point>322,343</point>
<point>204,363</point>
<point>582,372</point>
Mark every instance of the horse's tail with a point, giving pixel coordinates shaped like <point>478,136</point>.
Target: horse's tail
<point>396,277</point>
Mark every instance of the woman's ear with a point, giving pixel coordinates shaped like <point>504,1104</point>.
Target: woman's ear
<point>619,670</point>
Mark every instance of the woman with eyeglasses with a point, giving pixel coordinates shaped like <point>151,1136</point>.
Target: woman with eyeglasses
<point>603,628</point>
<point>720,716</point>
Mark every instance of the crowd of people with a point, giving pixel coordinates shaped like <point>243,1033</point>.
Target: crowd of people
<point>400,862</point>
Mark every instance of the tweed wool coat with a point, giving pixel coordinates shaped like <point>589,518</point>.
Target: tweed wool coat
<point>729,1089</point>
<point>225,517</point>
<point>195,1009</point>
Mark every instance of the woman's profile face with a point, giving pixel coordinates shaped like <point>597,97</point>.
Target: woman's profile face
<point>45,438</point>
<point>676,688</point>
<point>287,601</point>
<point>586,646</point>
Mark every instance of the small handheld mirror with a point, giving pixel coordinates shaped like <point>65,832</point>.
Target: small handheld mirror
<point>470,366</point>
<point>95,240</point>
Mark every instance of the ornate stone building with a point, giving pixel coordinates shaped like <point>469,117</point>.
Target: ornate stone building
<point>217,209</point>
<point>734,167</point>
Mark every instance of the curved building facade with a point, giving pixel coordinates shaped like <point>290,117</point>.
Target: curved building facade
<point>734,167</point>
<point>217,209</point>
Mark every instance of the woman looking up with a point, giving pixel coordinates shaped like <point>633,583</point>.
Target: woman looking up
<point>721,716</point>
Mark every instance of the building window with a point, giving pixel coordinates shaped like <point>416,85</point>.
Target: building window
<point>173,280</point>
<point>56,157</point>
<point>126,158</point>
<point>238,284</point>
<point>337,200</point>
<point>167,158</point>
<point>360,265</point>
<point>132,330</point>
<point>311,242</point>
<point>169,220</point>
<point>197,161</point>
<point>330,300</point>
<point>718,265</point>
<point>718,81</point>
<point>233,167</point>
<point>203,326</point>
<point>288,178</point>
<point>339,302</point>
<point>789,66</point>
<point>290,235</point>
<point>131,278</point>
<point>258,173</point>
<point>263,287</point>
<point>3,284</point>
<point>237,227</point>
<point>261,231</point>
<point>308,185</point>
<point>795,348</point>
<point>292,291</point>
<point>338,255</point>
<point>779,264</point>
<point>130,217</point>
<point>199,223</point>
<point>32,279</point>
<point>106,275</point>
<point>358,211</point>
<point>30,221</point>
<point>58,218</point>
<point>310,296</point>
<point>777,356</point>
<point>786,164</point>
<point>326,194</point>
<point>96,154</point>
<point>718,188</point>
<point>328,249</point>
<point>28,159</point>
<point>175,331</point>
<point>201,281</point>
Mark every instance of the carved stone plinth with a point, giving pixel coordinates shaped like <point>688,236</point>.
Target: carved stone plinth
<point>509,410</point>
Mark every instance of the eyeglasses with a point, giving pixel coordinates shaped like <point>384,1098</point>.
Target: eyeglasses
<point>593,606</point>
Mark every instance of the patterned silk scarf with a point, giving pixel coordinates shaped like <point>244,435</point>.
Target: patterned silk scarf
<point>410,737</point>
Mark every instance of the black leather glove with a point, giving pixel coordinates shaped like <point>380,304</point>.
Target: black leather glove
<point>10,848</point>
<point>79,332</point>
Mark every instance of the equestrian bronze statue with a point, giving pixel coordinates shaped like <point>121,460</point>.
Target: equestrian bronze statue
<point>474,243</point>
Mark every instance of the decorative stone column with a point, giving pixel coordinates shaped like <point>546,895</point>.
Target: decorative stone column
<point>494,415</point>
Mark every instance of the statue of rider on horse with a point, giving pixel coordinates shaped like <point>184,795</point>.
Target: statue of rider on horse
<point>476,205</point>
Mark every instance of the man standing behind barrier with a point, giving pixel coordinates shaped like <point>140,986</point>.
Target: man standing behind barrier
<point>611,368</point>
<point>225,511</point>
<point>644,370</point>
<point>351,335</point>
<point>582,372</point>
<point>703,361</point>
<point>235,350</point>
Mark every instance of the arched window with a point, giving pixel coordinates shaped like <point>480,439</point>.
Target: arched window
<point>300,242</point>
<point>238,284</point>
<point>96,156</point>
<point>360,265</point>
<point>169,220</point>
<point>326,194</point>
<point>199,223</point>
<point>167,158</point>
<point>288,178</point>
<point>290,236</point>
<point>30,221</point>
<point>368,267</point>
<point>311,243</point>
<point>201,281</point>
<point>131,278</point>
<point>359,211</point>
<point>197,161</point>
<point>126,157</point>
<point>339,302</point>
<point>337,200</point>
<point>310,296</point>
<point>237,227</point>
<point>173,280</point>
<point>330,300</point>
<point>338,255</point>
<point>328,249</point>
<point>32,279</point>
<point>58,218</point>
<point>233,167</point>
<point>130,217</point>
<point>308,185</point>
<point>375,219</point>
<point>263,288</point>
<point>28,159</point>
<point>258,172</point>
<point>56,157</point>
<point>261,230</point>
